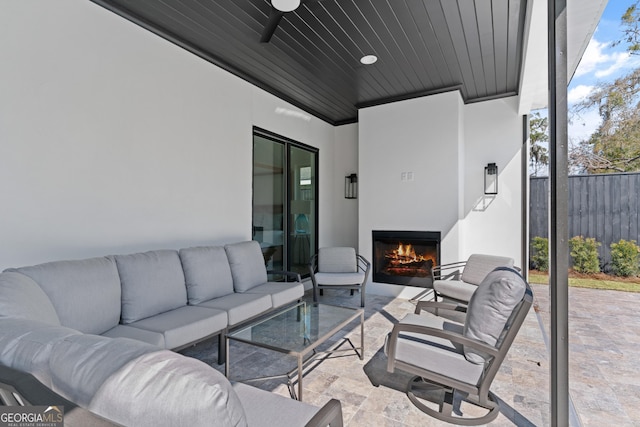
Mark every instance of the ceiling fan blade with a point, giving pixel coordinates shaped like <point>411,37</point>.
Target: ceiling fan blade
<point>274,19</point>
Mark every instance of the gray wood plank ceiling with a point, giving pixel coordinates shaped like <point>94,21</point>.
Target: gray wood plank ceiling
<point>313,58</point>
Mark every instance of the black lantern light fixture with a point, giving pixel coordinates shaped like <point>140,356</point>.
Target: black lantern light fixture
<point>351,186</point>
<point>491,179</point>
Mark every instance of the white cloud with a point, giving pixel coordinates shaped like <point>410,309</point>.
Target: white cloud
<point>602,64</point>
<point>620,60</point>
<point>579,93</point>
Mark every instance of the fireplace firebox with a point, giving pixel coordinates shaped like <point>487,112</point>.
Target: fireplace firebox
<point>405,257</point>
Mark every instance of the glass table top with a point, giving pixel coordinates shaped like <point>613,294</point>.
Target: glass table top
<point>297,328</point>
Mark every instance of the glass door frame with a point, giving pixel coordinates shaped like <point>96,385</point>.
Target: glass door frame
<point>288,225</point>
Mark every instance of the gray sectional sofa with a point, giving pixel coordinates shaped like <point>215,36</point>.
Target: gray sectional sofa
<point>98,333</point>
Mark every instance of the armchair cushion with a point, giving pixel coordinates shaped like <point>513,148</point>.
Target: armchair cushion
<point>455,289</point>
<point>479,265</point>
<point>490,308</point>
<point>432,353</point>
<point>247,265</point>
<point>340,278</point>
<point>337,260</point>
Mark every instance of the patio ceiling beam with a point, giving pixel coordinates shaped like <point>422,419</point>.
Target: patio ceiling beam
<point>558,212</point>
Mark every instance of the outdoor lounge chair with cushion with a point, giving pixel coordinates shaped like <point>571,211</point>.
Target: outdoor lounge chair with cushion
<point>455,363</point>
<point>339,267</point>
<point>449,284</point>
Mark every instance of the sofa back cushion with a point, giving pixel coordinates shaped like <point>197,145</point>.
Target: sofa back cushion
<point>152,283</point>
<point>479,265</point>
<point>206,273</point>
<point>168,389</point>
<point>491,307</point>
<point>85,293</point>
<point>80,364</point>
<point>247,265</point>
<point>337,260</point>
<point>22,298</point>
<point>26,345</point>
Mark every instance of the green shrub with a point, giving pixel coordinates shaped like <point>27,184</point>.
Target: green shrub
<point>540,253</point>
<point>585,254</point>
<point>624,258</point>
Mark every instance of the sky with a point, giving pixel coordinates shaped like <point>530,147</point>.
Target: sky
<point>601,62</point>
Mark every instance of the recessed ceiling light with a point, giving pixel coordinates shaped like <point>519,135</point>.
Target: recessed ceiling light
<point>368,59</point>
<point>285,5</point>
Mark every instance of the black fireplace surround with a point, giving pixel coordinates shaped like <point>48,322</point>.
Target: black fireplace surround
<point>405,257</point>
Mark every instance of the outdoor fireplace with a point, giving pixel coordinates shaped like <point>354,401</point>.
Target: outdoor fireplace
<point>405,257</point>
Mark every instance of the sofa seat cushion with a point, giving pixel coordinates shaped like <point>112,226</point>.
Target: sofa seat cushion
<point>185,325</point>
<point>339,278</point>
<point>126,331</point>
<point>456,289</point>
<point>168,389</point>
<point>26,345</point>
<point>206,272</point>
<point>22,298</point>
<point>447,358</point>
<point>80,364</point>
<point>247,265</point>
<point>281,292</point>
<point>269,409</point>
<point>85,293</point>
<point>152,283</point>
<point>240,307</point>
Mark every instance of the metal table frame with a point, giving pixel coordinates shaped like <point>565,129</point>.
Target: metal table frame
<point>309,349</point>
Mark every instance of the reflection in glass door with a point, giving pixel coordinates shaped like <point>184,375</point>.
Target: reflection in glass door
<point>284,201</point>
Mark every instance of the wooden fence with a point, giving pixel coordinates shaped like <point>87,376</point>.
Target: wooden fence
<point>605,207</point>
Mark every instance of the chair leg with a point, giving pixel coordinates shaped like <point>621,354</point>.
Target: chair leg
<point>446,404</point>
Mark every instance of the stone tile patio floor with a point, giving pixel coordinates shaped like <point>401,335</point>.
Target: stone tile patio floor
<point>604,377</point>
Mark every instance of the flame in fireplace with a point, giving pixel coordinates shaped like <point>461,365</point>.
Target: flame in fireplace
<point>404,254</point>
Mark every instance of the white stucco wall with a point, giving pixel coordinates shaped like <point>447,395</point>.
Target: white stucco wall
<point>113,140</point>
<point>492,224</point>
<point>445,144</point>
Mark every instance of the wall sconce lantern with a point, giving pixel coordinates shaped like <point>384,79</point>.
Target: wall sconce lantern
<point>491,179</point>
<point>351,186</point>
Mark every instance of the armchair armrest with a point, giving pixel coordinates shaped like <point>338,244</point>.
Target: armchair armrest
<point>363,263</point>
<point>438,333</point>
<point>423,305</point>
<point>329,415</point>
<point>438,272</point>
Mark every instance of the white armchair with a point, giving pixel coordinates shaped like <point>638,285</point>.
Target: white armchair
<point>339,267</point>
<point>449,282</point>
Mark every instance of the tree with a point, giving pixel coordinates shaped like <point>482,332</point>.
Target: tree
<point>631,29</point>
<point>538,135</point>
<point>615,145</point>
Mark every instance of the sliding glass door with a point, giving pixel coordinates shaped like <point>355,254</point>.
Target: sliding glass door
<point>284,201</point>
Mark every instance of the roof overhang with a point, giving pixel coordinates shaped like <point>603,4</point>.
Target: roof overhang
<point>582,19</point>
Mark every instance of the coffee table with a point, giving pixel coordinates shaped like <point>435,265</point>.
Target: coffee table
<point>297,331</point>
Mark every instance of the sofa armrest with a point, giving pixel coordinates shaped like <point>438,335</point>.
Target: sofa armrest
<point>329,415</point>
<point>22,389</point>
